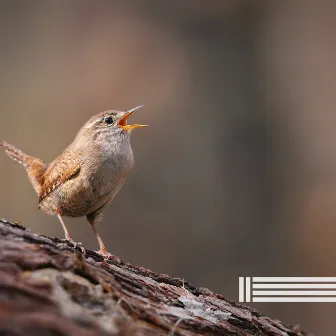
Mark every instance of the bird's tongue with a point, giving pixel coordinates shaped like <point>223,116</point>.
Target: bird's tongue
<point>123,121</point>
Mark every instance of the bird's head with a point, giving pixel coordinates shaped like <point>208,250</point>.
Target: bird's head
<point>111,123</point>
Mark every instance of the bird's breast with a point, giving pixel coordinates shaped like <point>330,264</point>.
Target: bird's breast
<point>112,170</point>
<point>107,179</point>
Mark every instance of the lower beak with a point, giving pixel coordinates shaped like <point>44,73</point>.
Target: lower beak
<point>123,121</point>
<point>129,127</point>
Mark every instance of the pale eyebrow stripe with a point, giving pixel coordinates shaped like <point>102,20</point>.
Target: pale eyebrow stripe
<point>91,124</point>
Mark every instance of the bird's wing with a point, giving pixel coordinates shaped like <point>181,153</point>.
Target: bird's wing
<point>58,172</point>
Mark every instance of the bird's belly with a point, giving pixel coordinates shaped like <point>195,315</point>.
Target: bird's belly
<point>86,193</point>
<point>70,199</point>
<point>104,199</point>
<point>87,200</point>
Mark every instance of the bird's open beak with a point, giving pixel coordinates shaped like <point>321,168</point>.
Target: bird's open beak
<point>123,121</point>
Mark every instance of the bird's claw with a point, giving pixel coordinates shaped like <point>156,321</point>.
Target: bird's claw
<point>77,245</point>
<point>108,256</point>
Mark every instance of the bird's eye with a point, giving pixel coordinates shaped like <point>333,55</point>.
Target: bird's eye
<point>108,120</point>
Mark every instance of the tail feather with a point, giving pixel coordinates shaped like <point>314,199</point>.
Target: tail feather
<point>34,166</point>
<point>15,153</point>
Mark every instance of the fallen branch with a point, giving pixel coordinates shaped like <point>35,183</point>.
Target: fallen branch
<point>49,288</point>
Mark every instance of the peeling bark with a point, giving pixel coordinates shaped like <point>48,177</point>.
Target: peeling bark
<point>49,288</point>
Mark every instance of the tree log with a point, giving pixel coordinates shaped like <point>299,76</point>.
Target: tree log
<point>48,287</point>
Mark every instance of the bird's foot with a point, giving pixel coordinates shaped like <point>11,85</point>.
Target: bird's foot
<point>107,255</point>
<point>77,245</point>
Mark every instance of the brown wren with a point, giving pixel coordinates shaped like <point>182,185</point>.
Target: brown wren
<point>88,174</point>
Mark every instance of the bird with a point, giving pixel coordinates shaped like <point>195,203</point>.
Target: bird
<point>88,174</point>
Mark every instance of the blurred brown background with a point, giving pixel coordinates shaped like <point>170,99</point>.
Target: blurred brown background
<point>236,175</point>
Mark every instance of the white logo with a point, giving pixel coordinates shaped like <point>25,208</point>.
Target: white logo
<point>287,289</point>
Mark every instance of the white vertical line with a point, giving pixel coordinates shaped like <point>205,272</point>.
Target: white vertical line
<point>248,289</point>
<point>241,289</point>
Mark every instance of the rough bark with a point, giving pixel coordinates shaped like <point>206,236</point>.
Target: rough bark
<point>49,288</point>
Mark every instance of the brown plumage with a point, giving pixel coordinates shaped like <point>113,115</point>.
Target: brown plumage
<point>88,174</point>
<point>34,167</point>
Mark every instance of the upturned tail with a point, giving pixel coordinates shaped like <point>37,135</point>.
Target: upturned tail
<point>34,166</point>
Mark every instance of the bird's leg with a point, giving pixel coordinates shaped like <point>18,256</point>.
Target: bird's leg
<point>102,249</point>
<point>65,229</point>
<point>94,219</point>
<point>68,236</point>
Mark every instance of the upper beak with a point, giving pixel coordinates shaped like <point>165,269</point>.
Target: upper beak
<point>123,121</point>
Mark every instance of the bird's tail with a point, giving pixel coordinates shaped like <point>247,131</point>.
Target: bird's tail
<point>15,153</point>
<point>34,166</point>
